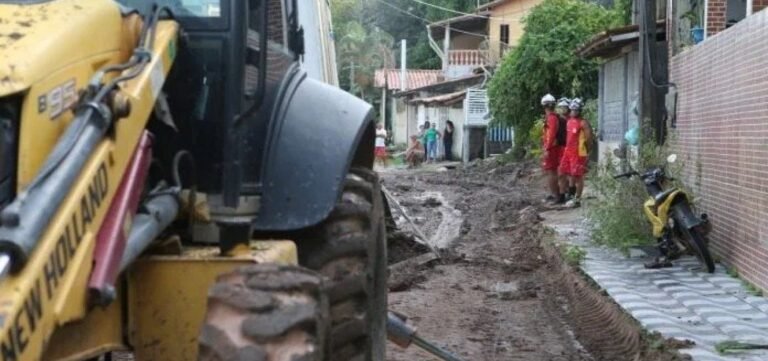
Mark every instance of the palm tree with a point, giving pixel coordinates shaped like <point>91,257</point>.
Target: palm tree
<point>361,53</point>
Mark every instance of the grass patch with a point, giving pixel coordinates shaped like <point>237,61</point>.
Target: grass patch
<point>751,288</point>
<point>735,346</point>
<point>573,254</point>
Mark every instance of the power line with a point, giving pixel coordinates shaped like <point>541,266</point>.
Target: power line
<point>426,21</point>
<point>455,11</point>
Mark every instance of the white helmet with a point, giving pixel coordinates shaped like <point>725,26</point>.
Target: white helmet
<point>576,104</point>
<point>548,100</point>
<point>564,102</point>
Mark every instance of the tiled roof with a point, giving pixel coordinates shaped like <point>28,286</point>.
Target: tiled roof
<point>416,78</point>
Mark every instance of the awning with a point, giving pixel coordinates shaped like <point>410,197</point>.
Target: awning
<point>610,43</point>
<point>442,99</point>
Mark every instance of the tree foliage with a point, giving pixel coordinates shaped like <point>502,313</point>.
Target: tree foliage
<point>545,62</point>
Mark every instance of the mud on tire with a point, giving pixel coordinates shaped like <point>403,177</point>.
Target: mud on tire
<point>265,312</point>
<point>349,249</point>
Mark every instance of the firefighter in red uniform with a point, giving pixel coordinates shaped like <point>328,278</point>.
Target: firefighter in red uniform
<point>576,154</point>
<point>551,148</point>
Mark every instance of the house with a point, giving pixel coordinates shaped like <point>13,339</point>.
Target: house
<point>394,111</point>
<point>480,39</point>
<point>618,81</point>
<point>470,46</point>
<point>715,114</point>
<point>447,100</point>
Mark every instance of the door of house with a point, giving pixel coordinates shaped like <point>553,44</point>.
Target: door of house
<point>618,89</point>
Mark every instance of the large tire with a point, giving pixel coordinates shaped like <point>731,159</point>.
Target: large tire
<point>699,248</point>
<point>349,249</point>
<point>265,312</point>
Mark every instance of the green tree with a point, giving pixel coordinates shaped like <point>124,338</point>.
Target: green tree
<point>361,52</point>
<point>545,62</point>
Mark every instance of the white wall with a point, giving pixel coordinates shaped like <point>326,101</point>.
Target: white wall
<point>400,119</point>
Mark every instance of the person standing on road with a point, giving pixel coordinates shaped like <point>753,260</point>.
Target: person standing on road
<point>381,144</point>
<point>448,140</point>
<point>552,150</point>
<point>563,111</point>
<point>422,139</point>
<point>430,136</point>
<point>576,154</point>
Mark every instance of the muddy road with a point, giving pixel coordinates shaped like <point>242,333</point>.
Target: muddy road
<point>500,290</point>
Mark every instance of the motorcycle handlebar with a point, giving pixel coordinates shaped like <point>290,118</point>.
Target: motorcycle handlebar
<point>625,175</point>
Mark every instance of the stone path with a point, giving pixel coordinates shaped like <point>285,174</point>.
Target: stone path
<point>680,302</point>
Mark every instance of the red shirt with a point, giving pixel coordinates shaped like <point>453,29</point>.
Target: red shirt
<point>550,131</point>
<point>575,141</point>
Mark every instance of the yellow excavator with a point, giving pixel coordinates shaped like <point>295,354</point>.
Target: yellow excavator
<point>174,186</point>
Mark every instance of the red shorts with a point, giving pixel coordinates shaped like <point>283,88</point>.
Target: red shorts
<point>381,152</point>
<point>573,165</point>
<point>551,160</point>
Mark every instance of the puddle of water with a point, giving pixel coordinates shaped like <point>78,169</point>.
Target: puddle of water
<point>450,226</point>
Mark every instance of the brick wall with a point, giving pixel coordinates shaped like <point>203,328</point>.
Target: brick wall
<point>715,16</point>
<point>722,135</point>
<point>758,5</point>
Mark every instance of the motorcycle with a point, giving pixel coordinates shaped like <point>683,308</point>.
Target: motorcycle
<point>675,226</point>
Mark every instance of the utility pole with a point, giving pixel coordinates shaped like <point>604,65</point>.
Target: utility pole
<point>403,65</point>
<point>404,85</point>
<point>652,78</point>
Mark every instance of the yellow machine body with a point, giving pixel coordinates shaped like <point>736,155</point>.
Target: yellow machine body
<point>165,299</point>
<point>659,216</point>
<point>48,54</point>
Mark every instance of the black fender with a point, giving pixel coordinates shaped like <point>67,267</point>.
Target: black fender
<point>682,212</point>
<point>317,133</point>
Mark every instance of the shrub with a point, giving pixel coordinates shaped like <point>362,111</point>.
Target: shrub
<point>616,217</point>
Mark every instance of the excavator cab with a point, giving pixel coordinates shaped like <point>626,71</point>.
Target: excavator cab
<point>174,185</point>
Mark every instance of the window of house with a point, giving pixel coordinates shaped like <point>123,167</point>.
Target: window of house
<point>736,10</point>
<point>504,31</point>
<point>504,38</point>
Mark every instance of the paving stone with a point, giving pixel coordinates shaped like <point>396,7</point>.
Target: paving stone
<point>681,301</point>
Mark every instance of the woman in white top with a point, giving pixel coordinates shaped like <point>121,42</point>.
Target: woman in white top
<point>381,144</point>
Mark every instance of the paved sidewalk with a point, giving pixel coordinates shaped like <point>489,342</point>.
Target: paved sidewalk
<point>679,302</point>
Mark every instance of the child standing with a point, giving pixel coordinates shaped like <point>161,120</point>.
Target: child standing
<point>576,154</point>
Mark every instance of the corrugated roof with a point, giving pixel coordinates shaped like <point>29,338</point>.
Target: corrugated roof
<point>470,79</point>
<point>415,78</point>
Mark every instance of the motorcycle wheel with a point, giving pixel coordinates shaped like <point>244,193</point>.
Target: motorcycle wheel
<point>699,248</point>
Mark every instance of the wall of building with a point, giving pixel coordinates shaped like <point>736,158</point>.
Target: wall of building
<point>462,41</point>
<point>722,136</point>
<point>399,111</point>
<point>510,13</point>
